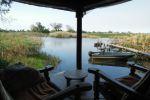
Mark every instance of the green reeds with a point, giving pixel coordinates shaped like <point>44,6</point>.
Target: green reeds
<point>139,42</point>
<point>17,47</point>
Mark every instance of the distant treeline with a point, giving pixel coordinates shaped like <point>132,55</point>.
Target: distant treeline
<point>54,27</point>
<point>38,27</point>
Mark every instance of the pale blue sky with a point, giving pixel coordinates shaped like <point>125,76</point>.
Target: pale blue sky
<point>132,16</point>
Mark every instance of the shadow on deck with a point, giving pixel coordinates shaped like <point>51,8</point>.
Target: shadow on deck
<point>61,82</point>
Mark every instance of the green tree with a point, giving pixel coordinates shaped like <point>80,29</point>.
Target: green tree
<point>38,27</point>
<point>4,8</point>
<point>110,31</point>
<point>56,26</point>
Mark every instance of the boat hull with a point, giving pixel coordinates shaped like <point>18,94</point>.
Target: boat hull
<point>109,58</point>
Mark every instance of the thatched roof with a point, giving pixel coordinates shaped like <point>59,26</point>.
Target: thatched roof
<point>72,5</point>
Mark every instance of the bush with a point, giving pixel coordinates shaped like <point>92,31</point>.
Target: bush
<point>39,28</point>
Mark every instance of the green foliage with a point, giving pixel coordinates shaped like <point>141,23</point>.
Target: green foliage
<point>136,41</point>
<point>39,28</point>
<point>2,30</point>
<point>56,26</point>
<point>3,63</point>
<point>4,6</point>
<point>63,35</point>
<point>109,35</point>
<point>17,47</point>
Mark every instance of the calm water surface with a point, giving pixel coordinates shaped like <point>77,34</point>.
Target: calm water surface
<point>65,49</point>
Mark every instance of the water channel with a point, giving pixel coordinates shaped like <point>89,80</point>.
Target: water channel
<point>65,49</point>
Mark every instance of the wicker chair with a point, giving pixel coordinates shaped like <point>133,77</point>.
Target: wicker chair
<point>114,89</point>
<point>24,83</point>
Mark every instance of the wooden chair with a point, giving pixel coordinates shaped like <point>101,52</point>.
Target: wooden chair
<point>114,89</point>
<point>29,84</point>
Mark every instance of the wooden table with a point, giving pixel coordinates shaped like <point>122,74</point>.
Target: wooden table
<point>75,75</point>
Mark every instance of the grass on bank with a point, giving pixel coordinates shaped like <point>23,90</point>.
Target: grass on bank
<point>18,47</point>
<point>139,42</point>
<point>61,34</point>
<point>136,41</point>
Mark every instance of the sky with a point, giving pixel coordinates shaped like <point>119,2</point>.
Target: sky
<point>133,16</point>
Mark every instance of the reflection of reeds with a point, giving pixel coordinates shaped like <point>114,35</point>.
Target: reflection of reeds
<point>25,49</point>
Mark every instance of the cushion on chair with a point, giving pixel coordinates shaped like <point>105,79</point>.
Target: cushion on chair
<point>19,78</point>
<point>129,80</point>
<point>25,83</point>
<point>37,92</point>
<point>142,87</point>
<point>109,91</point>
<point>115,93</point>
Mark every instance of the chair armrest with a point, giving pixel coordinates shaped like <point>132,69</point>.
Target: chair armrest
<point>3,93</point>
<point>136,66</point>
<point>45,71</point>
<point>47,68</point>
<point>112,81</point>
<point>71,90</point>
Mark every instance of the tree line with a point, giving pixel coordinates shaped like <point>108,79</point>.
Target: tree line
<point>38,27</point>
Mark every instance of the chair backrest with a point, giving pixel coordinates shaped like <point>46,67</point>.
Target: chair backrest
<point>3,93</point>
<point>18,78</point>
<point>142,87</point>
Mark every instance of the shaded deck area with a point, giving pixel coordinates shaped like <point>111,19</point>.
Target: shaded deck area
<point>114,71</point>
<point>61,82</point>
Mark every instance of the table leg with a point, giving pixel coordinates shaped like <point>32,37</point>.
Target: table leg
<point>82,80</point>
<point>68,82</point>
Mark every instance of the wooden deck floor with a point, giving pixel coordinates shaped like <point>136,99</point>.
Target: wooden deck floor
<point>60,81</point>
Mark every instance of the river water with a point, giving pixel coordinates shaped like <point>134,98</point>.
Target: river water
<point>65,49</point>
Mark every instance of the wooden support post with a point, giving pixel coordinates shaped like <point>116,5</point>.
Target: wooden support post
<point>79,15</point>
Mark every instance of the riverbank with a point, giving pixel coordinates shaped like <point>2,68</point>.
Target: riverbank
<point>137,41</point>
<point>61,34</point>
<point>24,47</point>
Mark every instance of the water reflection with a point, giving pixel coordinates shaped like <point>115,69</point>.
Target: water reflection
<point>65,49</point>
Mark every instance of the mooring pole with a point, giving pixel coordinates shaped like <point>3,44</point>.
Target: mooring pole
<point>79,15</point>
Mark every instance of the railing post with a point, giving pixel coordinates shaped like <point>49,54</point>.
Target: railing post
<point>46,74</point>
<point>132,70</point>
<point>96,86</point>
<point>78,94</point>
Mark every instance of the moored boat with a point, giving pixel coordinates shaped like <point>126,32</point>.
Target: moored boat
<point>111,55</point>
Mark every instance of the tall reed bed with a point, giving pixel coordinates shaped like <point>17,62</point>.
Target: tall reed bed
<point>17,47</point>
<point>140,42</point>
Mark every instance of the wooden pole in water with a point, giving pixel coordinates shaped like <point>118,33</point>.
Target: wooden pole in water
<point>79,15</point>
